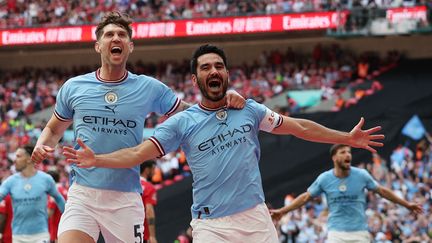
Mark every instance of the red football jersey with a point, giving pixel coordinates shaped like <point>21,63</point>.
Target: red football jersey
<point>148,197</point>
<point>6,209</point>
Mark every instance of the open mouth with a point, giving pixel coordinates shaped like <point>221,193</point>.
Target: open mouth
<point>116,50</point>
<point>214,84</point>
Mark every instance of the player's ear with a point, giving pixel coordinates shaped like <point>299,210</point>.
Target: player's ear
<point>97,47</point>
<point>131,46</point>
<point>194,80</point>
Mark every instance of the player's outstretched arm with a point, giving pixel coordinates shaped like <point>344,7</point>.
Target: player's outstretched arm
<point>312,131</point>
<point>298,202</point>
<point>390,195</point>
<point>124,158</point>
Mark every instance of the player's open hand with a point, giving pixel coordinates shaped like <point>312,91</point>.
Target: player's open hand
<point>276,214</point>
<point>365,139</point>
<point>41,152</point>
<point>84,158</point>
<point>416,208</point>
<point>235,100</point>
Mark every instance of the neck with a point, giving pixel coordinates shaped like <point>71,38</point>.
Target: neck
<point>341,173</point>
<point>29,171</point>
<point>112,73</point>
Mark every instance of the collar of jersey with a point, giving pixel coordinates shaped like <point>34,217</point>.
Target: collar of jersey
<point>125,75</point>
<point>202,106</point>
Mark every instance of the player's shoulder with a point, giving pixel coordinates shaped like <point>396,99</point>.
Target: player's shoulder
<point>359,171</point>
<point>43,175</point>
<point>80,79</point>
<point>326,174</point>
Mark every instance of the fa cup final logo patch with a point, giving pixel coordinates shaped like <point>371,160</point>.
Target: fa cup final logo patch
<point>111,97</point>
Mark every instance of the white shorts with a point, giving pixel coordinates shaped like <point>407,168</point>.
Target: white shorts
<point>348,237</point>
<point>35,238</point>
<point>252,225</point>
<point>119,216</point>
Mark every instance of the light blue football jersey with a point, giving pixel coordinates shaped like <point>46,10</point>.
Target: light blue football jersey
<point>346,198</point>
<point>223,151</point>
<point>29,201</point>
<point>109,116</point>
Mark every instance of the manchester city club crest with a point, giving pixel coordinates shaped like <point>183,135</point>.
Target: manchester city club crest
<point>27,187</point>
<point>342,187</point>
<point>111,97</point>
<point>221,115</point>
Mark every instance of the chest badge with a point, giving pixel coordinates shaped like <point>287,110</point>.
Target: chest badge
<point>27,187</point>
<point>221,115</point>
<point>111,97</point>
<point>342,187</point>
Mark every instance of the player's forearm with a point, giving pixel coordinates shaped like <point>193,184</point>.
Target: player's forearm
<point>60,202</point>
<point>128,157</point>
<point>49,137</point>
<point>312,131</point>
<point>297,203</point>
<point>391,196</point>
<point>151,220</point>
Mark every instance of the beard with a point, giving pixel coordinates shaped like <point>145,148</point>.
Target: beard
<point>206,94</point>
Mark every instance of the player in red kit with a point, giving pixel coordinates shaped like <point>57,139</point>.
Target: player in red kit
<point>6,215</point>
<point>53,211</point>
<point>149,200</point>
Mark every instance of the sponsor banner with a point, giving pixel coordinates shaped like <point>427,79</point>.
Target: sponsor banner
<point>181,28</point>
<point>396,15</point>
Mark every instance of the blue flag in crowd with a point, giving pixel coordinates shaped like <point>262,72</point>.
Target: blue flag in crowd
<point>414,128</point>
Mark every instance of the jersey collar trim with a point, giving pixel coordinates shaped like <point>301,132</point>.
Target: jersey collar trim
<point>125,75</point>
<point>210,109</point>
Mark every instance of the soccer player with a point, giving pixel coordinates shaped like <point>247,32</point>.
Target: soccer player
<point>149,200</point>
<point>108,108</point>
<point>6,216</point>
<point>222,150</point>
<point>344,187</point>
<point>54,213</point>
<point>28,190</point>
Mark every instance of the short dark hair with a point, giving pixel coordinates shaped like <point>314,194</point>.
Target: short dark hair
<point>28,148</point>
<point>147,164</point>
<point>120,19</point>
<point>335,148</point>
<point>205,49</point>
<point>54,174</point>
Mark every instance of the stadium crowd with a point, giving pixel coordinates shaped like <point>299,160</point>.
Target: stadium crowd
<point>14,13</point>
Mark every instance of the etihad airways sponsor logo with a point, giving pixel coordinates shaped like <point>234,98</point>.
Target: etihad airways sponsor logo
<point>99,120</point>
<point>225,136</point>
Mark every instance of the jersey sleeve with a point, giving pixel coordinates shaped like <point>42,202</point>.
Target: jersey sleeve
<point>267,119</point>
<point>63,109</point>
<point>315,189</point>
<point>371,183</point>
<point>167,137</point>
<point>165,100</point>
<point>52,190</point>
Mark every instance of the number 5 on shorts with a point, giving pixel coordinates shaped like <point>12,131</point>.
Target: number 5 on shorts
<point>138,233</point>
